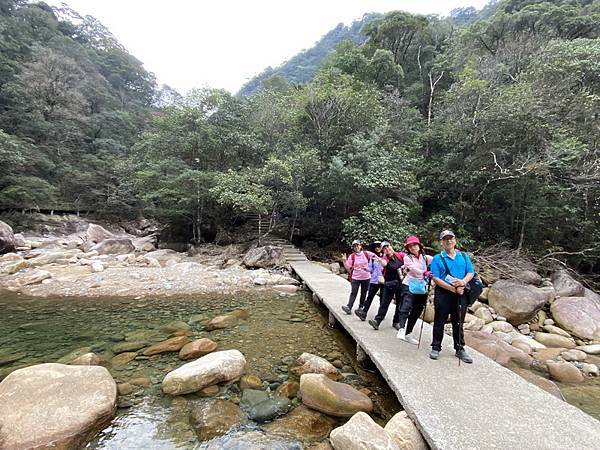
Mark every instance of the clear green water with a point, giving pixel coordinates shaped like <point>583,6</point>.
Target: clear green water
<point>36,330</point>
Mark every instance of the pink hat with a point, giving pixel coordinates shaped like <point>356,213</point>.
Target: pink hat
<point>412,240</point>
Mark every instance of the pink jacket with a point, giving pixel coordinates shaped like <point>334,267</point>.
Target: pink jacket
<point>416,267</point>
<point>359,264</point>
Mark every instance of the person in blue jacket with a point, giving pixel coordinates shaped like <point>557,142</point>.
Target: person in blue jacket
<point>452,270</point>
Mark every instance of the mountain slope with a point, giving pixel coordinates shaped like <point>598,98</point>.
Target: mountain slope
<point>302,67</point>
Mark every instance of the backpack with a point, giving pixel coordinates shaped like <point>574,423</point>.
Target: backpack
<point>473,288</point>
<point>353,256</point>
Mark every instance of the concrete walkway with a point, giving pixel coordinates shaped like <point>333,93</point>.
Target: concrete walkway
<point>478,406</point>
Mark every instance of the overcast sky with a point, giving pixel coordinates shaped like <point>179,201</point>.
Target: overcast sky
<point>224,43</point>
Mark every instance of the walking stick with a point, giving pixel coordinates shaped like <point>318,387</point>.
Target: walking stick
<point>423,313</point>
<point>460,325</point>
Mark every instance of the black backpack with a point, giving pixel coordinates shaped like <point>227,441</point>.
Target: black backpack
<point>473,288</point>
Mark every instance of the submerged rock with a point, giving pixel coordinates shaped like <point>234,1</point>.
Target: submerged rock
<point>361,433</point>
<point>173,344</point>
<point>197,348</point>
<point>333,398</point>
<point>309,363</point>
<point>55,405</point>
<point>302,424</point>
<point>215,417</point>
<point>226,321</point>
<point>210,369</point>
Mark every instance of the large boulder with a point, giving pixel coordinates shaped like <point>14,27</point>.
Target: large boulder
<point>55,406</point>
<point>405,432</point>
<point>518,302</point>
<point>263,257</point>
<point>564,372</point>
<point>495,348</point>
<point>579,315</point>
<point>309,363</point>
<point>215,417</point>
<point>7,239</point>
<point>96,233</point>
<point>210,369</point>
<point>330,397</point>
<point>565,285</point>
<point>116,246</point>
<point>302,424</point>
<point>529,277</point>
<point>554,340</point>
<point>362,433</point>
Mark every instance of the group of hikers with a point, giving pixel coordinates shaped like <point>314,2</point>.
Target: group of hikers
<point>405,276</point>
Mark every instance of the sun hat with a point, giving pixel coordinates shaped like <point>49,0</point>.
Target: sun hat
<point>446,233</point>
<point>412,240</point>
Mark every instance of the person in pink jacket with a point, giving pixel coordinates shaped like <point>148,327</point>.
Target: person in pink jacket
<point>414,287</point>
<point>357,265</point>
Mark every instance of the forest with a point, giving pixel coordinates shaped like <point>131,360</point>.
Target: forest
<point>486,122</point>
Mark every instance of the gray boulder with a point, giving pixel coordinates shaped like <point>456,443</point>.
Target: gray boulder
<point>117,246</point>
<point>565,285</point>
<point>518,302</point>
<point>96,233</point>
<point>579,315</point>
<point>263,257</point>
<point>7,239</point>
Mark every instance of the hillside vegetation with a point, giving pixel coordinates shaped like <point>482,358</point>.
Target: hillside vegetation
<point>489,126</point>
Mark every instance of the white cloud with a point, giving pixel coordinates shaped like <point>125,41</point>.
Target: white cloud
<point>224,43</point>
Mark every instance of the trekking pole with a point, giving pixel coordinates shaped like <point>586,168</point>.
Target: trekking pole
<point>423,313</point>
<point>459,322</point>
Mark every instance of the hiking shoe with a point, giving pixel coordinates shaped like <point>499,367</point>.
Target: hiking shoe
<point>411,340</point>
<point>360,314</point>
<point>463,356</point>
<point>396,326</point>
<point>374,324</point>
<point>347,310</point>
<point>435,354</point>
<point>401,333</point>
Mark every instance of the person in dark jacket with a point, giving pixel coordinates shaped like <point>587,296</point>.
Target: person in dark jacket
<point>392,262</point>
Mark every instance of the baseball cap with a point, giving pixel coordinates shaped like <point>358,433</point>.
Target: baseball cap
<point>446,233</point>
<point>385,244</point>
<point>355,242</point>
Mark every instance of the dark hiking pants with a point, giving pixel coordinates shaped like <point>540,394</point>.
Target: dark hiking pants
<point>391,289</point>
<point>373,289</point>
<point>447,304</point>
<point>364,287</point>
<point>411,309</point>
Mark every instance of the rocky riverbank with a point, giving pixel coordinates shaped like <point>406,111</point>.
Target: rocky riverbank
<point>94,262</point>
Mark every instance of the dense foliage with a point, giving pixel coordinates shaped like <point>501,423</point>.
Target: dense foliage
<point>487,122</point>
